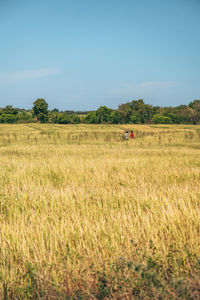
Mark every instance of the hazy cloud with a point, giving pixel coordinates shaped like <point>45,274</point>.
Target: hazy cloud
<point>129,90</point>
<point>16,76</point>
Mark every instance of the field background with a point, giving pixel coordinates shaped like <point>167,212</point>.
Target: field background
<point>87,215</point>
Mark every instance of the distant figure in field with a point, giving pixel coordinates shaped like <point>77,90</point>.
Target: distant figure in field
<point>126,135</point>
<point>132,135</point>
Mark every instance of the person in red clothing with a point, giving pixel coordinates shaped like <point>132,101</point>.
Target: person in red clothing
<point>131,135</point>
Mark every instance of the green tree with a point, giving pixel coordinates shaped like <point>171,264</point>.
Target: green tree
<point>137,104</point>
<point>8,118</point>
<point>183,114</point>
<point>195,107</point>
<point>136,111</point>
<point>160,119</point>
<point>10,110</point>
<point>91,118</point>
<point>135,119</point>
<point>65,118</point>
<point>103,114</point>
<point>25,116</point>
<point>40,110</point>
<point>9,114</point>
<point>126,111</point>
<point>115,117</point>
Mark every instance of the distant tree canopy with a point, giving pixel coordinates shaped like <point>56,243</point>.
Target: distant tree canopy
<point>137,112</point>
<point>40,109</point>
<point>101,115</point>
<point>10,114</point>
<point>63,118</point>
<point>133,112</point>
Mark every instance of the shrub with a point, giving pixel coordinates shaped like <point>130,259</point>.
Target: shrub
<point>160,119</point>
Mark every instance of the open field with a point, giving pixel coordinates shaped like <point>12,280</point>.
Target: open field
<point>87,215</point>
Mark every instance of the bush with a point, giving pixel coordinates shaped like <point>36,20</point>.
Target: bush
<point>135,119</point>
<point>8,118</point>
<point>65,118</point>
<point>160,119</point>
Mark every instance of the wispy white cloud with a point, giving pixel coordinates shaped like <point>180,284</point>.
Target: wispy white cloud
<point>142,88</point>
<point>16,76</point>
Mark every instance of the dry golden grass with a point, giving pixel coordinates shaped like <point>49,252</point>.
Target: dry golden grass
<point>85,214</point>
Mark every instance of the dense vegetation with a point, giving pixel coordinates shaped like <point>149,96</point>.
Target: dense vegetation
<point>134,112</point>
<point>87,215</point>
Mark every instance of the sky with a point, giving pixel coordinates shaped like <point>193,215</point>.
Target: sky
<point>82,54</point>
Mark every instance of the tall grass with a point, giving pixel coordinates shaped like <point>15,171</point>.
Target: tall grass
<point>87,215</point>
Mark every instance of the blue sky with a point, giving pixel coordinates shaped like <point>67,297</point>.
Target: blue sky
<point>81,54</point>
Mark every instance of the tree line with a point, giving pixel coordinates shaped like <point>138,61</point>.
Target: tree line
<point>134,112</point>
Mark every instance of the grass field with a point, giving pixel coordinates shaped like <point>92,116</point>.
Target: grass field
<point>87,215</point>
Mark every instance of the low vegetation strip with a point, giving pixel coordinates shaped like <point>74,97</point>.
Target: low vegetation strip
<point>85,214</point>
<point>134,112</point>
